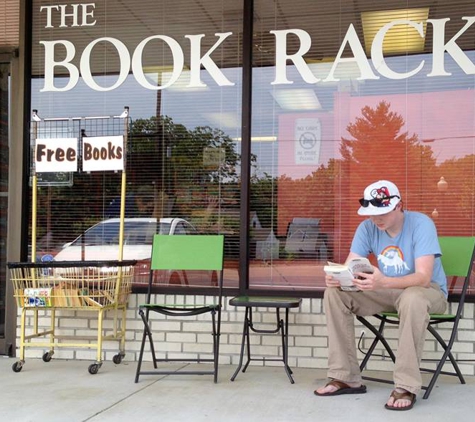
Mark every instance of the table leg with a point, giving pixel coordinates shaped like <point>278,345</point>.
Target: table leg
<point>282,326</point>
<point>248,322</point>
<point>285,345</point>
<point>245,335</point>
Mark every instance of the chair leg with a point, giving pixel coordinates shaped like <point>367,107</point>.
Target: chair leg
<point>150,339</point>
<point>142,347</point>
<point>146,333</point>
<point>215,345</point>
<point>378,334</point>
<point>448,349</point>
<point>447,355</point>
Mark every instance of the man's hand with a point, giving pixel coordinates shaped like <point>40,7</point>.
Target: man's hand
<point>369,281</point>
<point>331,282</point>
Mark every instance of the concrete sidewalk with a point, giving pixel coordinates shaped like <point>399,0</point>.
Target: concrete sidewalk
<point>64,391</point>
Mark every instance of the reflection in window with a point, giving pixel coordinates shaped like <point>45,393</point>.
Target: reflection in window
<point>318,138</point>
<point>183,157</point>
<point>318,141</point>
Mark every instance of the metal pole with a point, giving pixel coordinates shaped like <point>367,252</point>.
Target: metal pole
<point>123,186</point>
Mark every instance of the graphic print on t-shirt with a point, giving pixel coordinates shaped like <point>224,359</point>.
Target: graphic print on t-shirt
<point>392,260</point>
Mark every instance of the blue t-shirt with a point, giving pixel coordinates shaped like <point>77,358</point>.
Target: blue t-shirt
<point>396,255</point>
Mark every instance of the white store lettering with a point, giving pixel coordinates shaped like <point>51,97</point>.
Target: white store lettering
<point>197,60</point>
<point>440,47</point>
<point>377,50</point>
<point>87,11</point>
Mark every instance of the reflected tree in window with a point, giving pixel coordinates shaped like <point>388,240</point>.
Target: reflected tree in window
<point>377,148</point>
<point>194,170</point>
<point>381,149</point>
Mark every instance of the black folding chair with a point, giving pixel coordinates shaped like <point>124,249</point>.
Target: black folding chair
<point>457,260</point>
<point>182,254</point>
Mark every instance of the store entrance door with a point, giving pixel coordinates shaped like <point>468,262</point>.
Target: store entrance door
<point>5,343</point>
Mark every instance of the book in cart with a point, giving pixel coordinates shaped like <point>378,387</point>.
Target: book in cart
<point>345,273</point>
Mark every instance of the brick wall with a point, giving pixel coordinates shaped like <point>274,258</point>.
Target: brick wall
<point>191,336</point>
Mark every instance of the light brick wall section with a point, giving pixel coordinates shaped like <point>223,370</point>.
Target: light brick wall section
<point>308,340</point>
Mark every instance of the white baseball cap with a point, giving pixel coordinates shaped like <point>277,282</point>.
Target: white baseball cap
<point>379,198</point>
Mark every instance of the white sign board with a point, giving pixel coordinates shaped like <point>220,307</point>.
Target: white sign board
<point>103,153</point>
<point>56,155</point>
<point>308,139</point>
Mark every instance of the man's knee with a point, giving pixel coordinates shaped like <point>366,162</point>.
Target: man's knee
<point>330,294</point>
<point>337,300</point>
<point>413,300</point>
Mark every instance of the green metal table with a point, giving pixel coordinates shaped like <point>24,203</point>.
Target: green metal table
<point>278,303</point>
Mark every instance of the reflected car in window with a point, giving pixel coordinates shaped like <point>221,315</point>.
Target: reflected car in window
<point>101,243</point>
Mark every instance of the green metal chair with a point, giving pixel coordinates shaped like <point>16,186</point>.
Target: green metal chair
<point>457,259</point>
<point>184,253</point>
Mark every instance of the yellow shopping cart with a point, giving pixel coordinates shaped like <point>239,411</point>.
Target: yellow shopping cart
<point>97,286</point>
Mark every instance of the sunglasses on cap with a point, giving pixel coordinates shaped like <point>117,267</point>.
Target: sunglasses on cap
<point>378,202</point>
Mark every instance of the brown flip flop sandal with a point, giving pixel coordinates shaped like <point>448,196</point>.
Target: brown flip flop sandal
<point>405,395</point>
<point>342,388</point>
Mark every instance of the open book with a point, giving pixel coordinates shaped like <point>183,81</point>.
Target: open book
<point>345,273</point>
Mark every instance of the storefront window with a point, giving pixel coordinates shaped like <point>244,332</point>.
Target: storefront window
<point>344,94</point>
<point>177,68</point>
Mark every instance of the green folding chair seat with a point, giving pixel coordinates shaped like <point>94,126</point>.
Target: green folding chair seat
<point>184,253</point>
<point>457,260</point>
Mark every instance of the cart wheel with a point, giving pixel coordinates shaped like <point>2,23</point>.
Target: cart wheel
<point>117,359</point>
<point>17,366</point>
<point>47,357</point>
<point>94,368</point>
